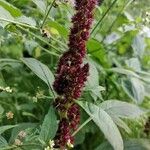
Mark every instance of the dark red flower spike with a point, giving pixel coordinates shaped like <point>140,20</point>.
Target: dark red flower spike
<point>72,74</point>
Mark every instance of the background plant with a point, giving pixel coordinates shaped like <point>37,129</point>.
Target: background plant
<point>116,98</point>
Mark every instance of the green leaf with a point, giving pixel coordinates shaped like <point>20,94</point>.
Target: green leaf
<point>9,62</point>
<point>139,45</point>
<point>4,14</point>
<point>121,109</point>
<point>105,123</point>
<point>93,78</point>
<point>92,83</point>
<point>96,49</point>
<point>15,12</point>
<point>120,123</point>
<point>3,142</point>
<point>61,29</point>
<point>112,38</point>
<point>18,128</point>
<point>49,126</point>
<point>131,144</point>
<point>138,90</point>
<point>26,20</point>
<point>134,64</point>
<point>1,110</point>
<point>125,72</point>
<point>7,127</point>
<point>135,89</point>
<point>40,5</point>
<point>41,70</point>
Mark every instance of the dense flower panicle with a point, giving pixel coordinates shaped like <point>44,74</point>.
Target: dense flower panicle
<point>72,73</point>
<point>63,134</point>
<point>70,81</point>
<point>74,116</point>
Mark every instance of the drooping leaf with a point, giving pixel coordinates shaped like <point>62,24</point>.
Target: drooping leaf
<point>49,126</point>
<point>7,127</point>
<point>139,45</point>
<point>120,123</point>
<point>18,128</point>
<point>131,144</point>
<point>138,90</point>
<point>3,142</point>
<point>93,78</point>
<point>125,72</point>
<point>15,12</point>
<point>121,109</point>
<point>97,50</point>
<point>61,29</point>
<point>92,84</point>
<point>1,110</point>
<point>41,70</point>
<point>105,123</point>
<point>134,63</point>
<point>9,62</point>
<point>4,14</point>
<point>40,5</point>
<point>135,89</point>
<point>26,20</point>
<point>113,37</point>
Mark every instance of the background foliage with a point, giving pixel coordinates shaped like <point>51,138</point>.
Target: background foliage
<point>116,96</point>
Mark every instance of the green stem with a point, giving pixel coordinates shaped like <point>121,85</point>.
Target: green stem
<point>101,19</point>
<point>49,52</point>
<point>18,23</point>
<point>113,23</point>
<point>64,45</point>
<point>31,27</point>
<point>82,125</point>
<point>9,60</point>
<point>20,146</point>
<point>39,38</point>
<point>47,13</point>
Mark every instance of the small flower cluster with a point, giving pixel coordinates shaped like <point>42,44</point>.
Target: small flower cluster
<point>20,138</point>
<point>146,18</point>
<point>10,115</point>
<point>6,89</point>
<point>51,146</point>
<point>72,73</point>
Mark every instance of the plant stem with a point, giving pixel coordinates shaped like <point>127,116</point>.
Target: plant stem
<point>9,60</point>
<point>47,13</point>
<point>20,146</point>
<point>39,38</point>
<point>101,19</point>
<point>31,27</point>
<point>82,125</point>
<point>18,23</point>
<point>60,42</point>
<point>49,52</point>
<point>113,23</point>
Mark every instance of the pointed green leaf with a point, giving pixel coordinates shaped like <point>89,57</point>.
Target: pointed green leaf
<point>18,128</point>
<point>41,70</point>
<point>3,142</point>
<point>49,126</point>
<point>105,123</point>
<point>15,12</point>
<point>131,144</point>
<point>121,109</point>
<point>7,127</point>
<point>4,14</point>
